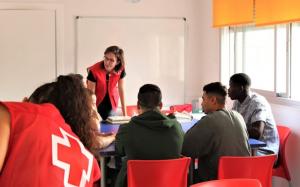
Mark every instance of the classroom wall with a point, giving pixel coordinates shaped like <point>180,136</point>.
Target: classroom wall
<point>202,65</point>
<point>202,62</point>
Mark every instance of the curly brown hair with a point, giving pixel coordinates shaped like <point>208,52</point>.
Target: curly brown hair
<point>72,99</point>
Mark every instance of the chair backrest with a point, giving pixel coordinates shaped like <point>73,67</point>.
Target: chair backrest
<point>255,167</point>
<point>158,173</point>
<point>132,110</point>
<point>181,108</point>
<point>229,183</point>
<point>281,169</point>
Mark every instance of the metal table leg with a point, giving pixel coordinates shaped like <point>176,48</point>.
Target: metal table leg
<point>103,172</point>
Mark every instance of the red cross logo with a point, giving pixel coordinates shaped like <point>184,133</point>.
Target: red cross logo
<point>69,154</point>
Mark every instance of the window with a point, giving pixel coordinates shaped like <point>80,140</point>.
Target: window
<point>267,54</point>
<point>295,61</point>
<point>258,56</point>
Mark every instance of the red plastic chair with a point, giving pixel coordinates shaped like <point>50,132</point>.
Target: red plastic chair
<point>281,170</point>
<point>255,167</point>
<point>181,108</point>
<point>166,112</point>
<point>158,173</point>
<point>132,110</point>
<point>229,183</point>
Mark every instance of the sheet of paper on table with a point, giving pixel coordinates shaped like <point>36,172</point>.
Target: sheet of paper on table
<point>118,119</point>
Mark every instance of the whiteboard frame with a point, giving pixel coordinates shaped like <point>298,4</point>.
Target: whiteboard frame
<point>76,18</point>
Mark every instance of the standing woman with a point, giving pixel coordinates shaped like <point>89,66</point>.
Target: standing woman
<point>106,80</point>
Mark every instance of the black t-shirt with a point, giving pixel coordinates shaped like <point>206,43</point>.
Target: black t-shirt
<point>104,108</point>
<point>91,77</point>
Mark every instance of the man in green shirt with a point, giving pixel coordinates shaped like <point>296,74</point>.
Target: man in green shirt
<point>221,132</point>
<point>149,136</point>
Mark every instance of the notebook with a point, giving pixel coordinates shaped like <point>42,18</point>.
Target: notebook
<point>183,116</point>
<point>118,119</point>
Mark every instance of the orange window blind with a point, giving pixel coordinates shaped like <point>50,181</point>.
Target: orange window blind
<point>232,12</point>
<point>276,11</point>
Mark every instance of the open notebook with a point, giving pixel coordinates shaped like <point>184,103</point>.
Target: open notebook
<point>118,119</point>
<point>183,116</point>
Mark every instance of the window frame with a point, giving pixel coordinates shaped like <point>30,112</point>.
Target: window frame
<point>283,98</point>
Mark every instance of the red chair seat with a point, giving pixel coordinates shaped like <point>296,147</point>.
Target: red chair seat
<point>181,108</point>
<point>255,167</point>
<point>132,110</point>
<point>158,173</point>
<point>229,183</point>
<point>282,170</point>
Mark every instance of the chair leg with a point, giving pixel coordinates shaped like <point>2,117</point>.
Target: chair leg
<point>191,172</point>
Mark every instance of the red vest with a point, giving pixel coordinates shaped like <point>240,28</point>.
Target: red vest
<point>43,150</point>
<point>99,74</point>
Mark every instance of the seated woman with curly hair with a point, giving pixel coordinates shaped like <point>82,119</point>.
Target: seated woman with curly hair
<point>49,140</point>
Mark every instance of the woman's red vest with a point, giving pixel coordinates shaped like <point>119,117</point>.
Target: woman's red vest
<point>44,151</point>
<point>99,74</point>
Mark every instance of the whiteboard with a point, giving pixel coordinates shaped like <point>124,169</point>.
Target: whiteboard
<point>27,51</point>
<point>154,50</point>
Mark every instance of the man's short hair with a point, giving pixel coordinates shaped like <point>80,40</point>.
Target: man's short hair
<point>149,96</point>
<point>218,90</point>
<point>241,79</point>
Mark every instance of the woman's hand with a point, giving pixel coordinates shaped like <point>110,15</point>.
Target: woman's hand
<point>121,87</point>
<point>91,85</point>
<point>105,139</point>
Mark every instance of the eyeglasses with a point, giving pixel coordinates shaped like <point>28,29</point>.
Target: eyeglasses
<point>111,60</point>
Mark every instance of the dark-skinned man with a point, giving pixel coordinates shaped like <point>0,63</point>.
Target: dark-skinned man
<point>256,112</point>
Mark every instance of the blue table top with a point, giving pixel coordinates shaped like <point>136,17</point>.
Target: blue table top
<point>256,143</point>
<point>108,128</point>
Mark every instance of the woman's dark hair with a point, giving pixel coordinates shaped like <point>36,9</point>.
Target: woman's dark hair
<point>72,99</point>
<point>42,93</point>
<point>119,53</point>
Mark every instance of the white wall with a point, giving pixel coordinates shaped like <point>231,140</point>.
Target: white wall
<point>290,116</point>
<point>32,50</point>
<point>202,64</point>
<point>203,41</point>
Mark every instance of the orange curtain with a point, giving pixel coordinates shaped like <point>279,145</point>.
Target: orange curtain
<point>269,12</point>
<point>232,12</point>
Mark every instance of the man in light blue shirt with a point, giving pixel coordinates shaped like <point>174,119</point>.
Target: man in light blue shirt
<point>256,112</point>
